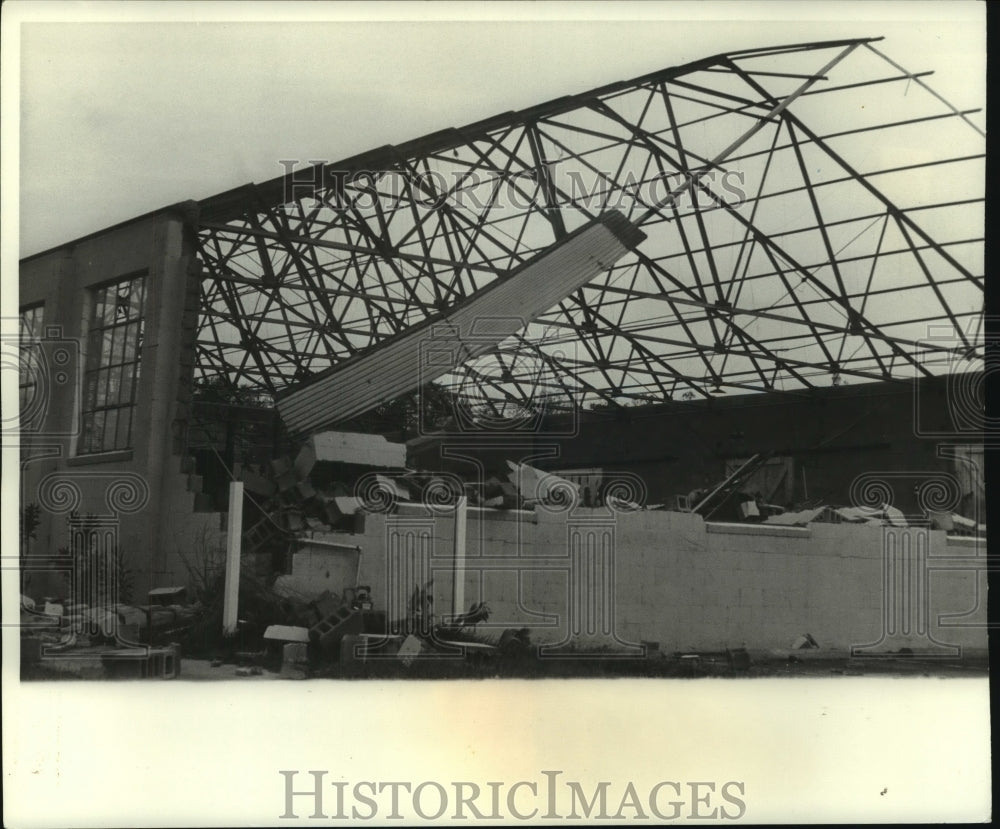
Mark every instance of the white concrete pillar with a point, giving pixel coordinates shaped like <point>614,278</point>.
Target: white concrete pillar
<point>234,538</point>
<point>458,573</point>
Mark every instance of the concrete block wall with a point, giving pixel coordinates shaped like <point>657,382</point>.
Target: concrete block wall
<point>186,536</point>
<point>681,582</point>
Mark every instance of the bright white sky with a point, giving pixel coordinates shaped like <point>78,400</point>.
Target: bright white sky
<point>118,118</point>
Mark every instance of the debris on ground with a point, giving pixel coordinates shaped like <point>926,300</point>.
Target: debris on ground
<point>534,485</point>
<point>295,660</point>
<point>409,650</point>
<point>804,641</point>
<point>287,633</point>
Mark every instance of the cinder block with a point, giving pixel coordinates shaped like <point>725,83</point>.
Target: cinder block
<point>287,633</point>
<point>142,663</point>
<point>295,653</point>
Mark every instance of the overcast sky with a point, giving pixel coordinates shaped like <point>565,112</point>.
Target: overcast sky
<point>119,118</point>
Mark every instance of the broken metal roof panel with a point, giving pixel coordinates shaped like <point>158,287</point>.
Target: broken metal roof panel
<point>472,328</point>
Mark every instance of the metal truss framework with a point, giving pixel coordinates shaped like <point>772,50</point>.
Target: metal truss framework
<point>843,240</point>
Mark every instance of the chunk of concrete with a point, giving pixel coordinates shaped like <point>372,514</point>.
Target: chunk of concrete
<point>167,595</point>
<point>534,484</point>
<point>350,447</point>
<point>623,504</point>
<point>895,516</point>
<point>287,633</point>
<point>804,641</point>
<point>340,506</point>
<point>294,660</point>
<point>409,650</point>
<point>295,652</point>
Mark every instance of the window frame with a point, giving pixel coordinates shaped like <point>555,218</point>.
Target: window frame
<point>29,345</point>
<point>112,365</point>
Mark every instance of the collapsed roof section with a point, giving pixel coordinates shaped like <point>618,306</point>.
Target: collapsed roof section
<point>446,341</point>
<point>842,240</point>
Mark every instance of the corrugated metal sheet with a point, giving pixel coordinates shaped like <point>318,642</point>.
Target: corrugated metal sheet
<point>468,330</point>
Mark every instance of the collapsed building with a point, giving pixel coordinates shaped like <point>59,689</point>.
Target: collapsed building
<point>665,362</point>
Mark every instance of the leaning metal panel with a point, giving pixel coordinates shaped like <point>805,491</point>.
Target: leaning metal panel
<point>829,246</point>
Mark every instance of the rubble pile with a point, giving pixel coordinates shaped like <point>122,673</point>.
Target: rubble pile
<point>112,641</point>
<point>731,500</point>
<point>341,635</point>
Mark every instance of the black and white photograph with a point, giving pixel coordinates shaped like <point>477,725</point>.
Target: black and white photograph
<point>494,412</point>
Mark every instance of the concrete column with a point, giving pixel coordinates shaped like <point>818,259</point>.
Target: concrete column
<point>165,295</point>
<point>458,572</point>
<point>234,546</point>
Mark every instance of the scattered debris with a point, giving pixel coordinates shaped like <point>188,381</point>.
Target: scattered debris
<point>707,502</point>
<point>798,518</point>
<point>409,650</point>
<point>535,485</point>
<point>328,632</point>
<point>955,524</point>
<point>478,612</point>
<point>514,642</point>
<point>621,504</point>
<point>804,641</point>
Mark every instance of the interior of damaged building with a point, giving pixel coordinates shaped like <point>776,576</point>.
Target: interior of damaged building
<point>679,376</point>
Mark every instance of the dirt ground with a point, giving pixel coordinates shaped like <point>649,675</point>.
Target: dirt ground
<point>746,666</point>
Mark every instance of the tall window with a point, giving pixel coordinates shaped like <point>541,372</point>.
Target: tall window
<point>113,347</point>
<point>31,407</point>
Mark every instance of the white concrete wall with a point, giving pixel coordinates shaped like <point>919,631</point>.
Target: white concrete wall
<point>680,582</point>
